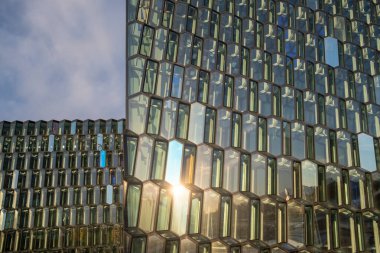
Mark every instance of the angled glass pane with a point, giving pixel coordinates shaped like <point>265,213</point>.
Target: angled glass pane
<point>367,152</point>
<point>148,208</point>
<point>331,51</point>
<point>154,116</point>
<point>309,181</point>
<point>174,163</point>
<point>150,77</point>
<point>183,121</point>
<point>164,208</point>
<point>147,41</point>
<point>203,167</point>
<point>133,201</point>
<point>177,81</point>
<point>197,122</point>
<point>230,173</point>
<point>159,160</point>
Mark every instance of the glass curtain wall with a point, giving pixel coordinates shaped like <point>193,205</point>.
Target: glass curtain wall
<point>252,126</point>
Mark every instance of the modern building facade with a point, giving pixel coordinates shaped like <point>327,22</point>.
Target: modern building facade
<point>61,186</point>
<point>252,126</point>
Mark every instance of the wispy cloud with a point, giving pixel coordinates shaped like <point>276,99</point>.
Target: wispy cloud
<point>62,59</point>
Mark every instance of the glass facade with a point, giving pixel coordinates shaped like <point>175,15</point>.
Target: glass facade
<point>252,126</point>
<point>61,186</point>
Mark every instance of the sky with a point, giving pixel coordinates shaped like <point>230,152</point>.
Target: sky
<point>62,59</point>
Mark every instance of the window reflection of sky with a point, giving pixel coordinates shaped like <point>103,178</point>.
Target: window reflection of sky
<point>177,82</point>
<point>331,51</point>
<point>173,166</point>
<point>366,152</point>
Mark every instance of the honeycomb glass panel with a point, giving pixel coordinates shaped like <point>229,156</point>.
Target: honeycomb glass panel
<point>284,178</point>
<point>154,116</point>
<point>196,123</point>
<point>195,213</point>
<point>163,216</point>
<point>298,140</point>
<point>188,163</point>
<point>259,175</point>
<point>180,209</point>
<point>331,51</point>
<point>322,227</point>
<point>169,116</point>
<point>296,224</point>
<point>230,173</point>
<point>149,207</point>
<point>210,215</point>
<point>182,121</point>
<point>268,213</point>
<point>249,137</point>
<point>223,128</point>
<point>150,77</point>
<point>367,152</point>
<point>203,167</point>
<point>159,160</point>
<point>210,121</point>
<point>274,137</point>
<point>190,84</point>
<point>137,110</point>
<point>143,159</point>
<point>309,181</point>
<point>177,81</point>
<point>173,166</point>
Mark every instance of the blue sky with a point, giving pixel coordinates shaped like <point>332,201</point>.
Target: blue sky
<point>62,59</point>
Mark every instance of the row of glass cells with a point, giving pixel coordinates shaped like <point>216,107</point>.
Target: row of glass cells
<point>200,124</point>
<point>98,238</point>
<point>59,160</point>
<point>66,195</point>
<point>240,219</point>
<point>50,143</point>
<point>62,127</point>
<point>202,18</point>
<point>259,65</point>
<point>151,77</point>
<point>283,45</point>
<point>61,216</point>
<point>208,167</point>
<point>61,186</point>
<point>191,84</point>
<point>39,178</point>
<point>250,33</point>
<point>264,99</point>
<point>265,11</point>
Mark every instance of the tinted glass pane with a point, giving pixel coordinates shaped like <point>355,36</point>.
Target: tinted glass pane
<point>331,51</point>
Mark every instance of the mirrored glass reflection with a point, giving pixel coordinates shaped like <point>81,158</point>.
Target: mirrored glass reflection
<point>179,209</point>
<point>331,51</point>
<point>367,152</point>
<point>173,165</point>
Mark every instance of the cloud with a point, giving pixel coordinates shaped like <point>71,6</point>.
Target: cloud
<point>62,59</point>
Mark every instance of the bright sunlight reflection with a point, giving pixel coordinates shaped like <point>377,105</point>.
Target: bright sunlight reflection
<point>178,190</point>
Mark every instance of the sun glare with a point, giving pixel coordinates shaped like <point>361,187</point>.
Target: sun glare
<point>178,190</point>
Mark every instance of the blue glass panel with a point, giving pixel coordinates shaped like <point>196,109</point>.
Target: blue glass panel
<point>177,82</point>
<point>173,166</point>
<point>331,51</point>
<point>102,158</point>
